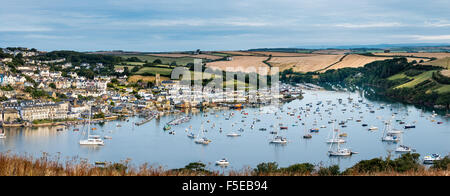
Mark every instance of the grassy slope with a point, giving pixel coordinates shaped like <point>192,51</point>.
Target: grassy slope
<point>155,70</point>
<point>417,79</point>
<point>442,88</point>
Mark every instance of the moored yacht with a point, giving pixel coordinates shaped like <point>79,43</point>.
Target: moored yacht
<point>279,140</point>
<point>430,159</point>
<point>223,162</point>
<point>91,139</point>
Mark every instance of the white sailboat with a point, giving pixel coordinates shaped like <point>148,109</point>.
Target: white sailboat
<point>338,151</point>
<point>278,139</point>
<point>402,148</point>
<point>390,135</point>
<point>201,139</point>
<point>335,136</point>
<point>92,139</point>
<point>2,135</point>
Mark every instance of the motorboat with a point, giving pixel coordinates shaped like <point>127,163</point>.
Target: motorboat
<point>372,128</point>
<point>223,162</point>
<point>203,141</point>
<point>430,159</point>
<point>403,148</point>
<point>233,134</point>
<point>2,135</point>
<point>279,140</point>
<point>307,136</point>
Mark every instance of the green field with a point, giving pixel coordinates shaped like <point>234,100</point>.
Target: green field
<point>134,63</point>
<point>155,70</point>
<point>122,66</point>
<point>417,79</point>
<point>398,76</point>
<point>165,60</point>
<point>443,89</point>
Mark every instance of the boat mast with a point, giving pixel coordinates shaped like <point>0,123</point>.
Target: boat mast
<point>89,122</point>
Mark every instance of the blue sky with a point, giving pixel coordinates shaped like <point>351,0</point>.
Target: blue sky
<point>178,25</point>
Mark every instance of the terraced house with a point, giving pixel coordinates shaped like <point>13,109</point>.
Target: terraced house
<point>48,110</point>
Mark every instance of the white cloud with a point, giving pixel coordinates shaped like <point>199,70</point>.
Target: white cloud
<point>237,22</point>
<point>438,23</point>
<point>369,25</point>
<point>431,37</point>
<point>23,29</point>
<point>40,36</point>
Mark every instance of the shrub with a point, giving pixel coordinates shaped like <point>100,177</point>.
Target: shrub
<point>302,168</point>
<point>266,167</point>
<point>329,171</point>
<point>443,164</point>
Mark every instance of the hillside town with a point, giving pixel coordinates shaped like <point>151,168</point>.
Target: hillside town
<point>48,92</point>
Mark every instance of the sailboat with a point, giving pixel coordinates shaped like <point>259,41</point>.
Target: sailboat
<point>402,148</point>
<point>307,135</point>
<point>390,135</point>
<point>2,135</point>
<point>202,140</point>
<point>339,151</point>
<point>335,137</point>
<point>278,140</point>
<point>190,135</point>
<point>91,139</point>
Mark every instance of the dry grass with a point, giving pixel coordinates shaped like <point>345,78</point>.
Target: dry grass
<point>282,54</point>
<point>136,78</point>
<point>244,64</point>
<point>446,73</point>
<point>356,60</point>
<point>14,165</point>
<point>304,64</point>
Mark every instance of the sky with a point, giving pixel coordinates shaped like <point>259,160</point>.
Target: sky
<point>180,25</point>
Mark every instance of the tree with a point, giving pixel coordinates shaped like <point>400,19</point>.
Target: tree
<point>52,85</point>
<point>157,61</point>
<point>173,64</point>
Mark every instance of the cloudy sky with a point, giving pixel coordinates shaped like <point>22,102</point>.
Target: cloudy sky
<point>177,25</point>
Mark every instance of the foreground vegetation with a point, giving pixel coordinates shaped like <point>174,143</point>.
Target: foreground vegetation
<point>406,165</point>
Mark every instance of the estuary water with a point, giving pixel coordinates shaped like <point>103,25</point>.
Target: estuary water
<point>149,143</point>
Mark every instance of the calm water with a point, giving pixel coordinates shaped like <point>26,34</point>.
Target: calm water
<point>149,143</point>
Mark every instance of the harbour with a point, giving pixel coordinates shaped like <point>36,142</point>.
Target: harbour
<point>251,141</point>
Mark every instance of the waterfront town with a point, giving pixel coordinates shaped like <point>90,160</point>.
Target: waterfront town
<point>38,93</point>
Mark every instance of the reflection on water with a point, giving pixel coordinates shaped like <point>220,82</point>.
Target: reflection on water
<point>149,143</point>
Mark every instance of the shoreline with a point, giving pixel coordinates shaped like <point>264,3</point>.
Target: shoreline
<point>63,123</point>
